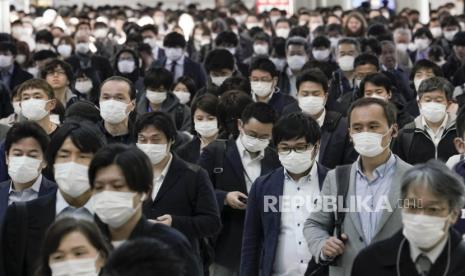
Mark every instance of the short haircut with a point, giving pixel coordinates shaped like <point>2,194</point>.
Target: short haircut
<point>299,31</point>
<point>37,84</point>
<point>230,108</point>
<point>436,83</point>
<point>349,40</point>
<point>219,59</point>
<point>43,55</point>
<point>459,39</point>
<point>83,110</point>
<point>426,64</point>
<point>226,38</point>
<point>388,108</point>
<point>262,112</point>
<point>26,129</point>
<point>160,120</point>
<point>54,64</point>
<point>371,43</point>
<point>439,179</point>
<point>134,163</point>
<point>364,59</point>
<point>235,83</point>
<point>449,21</point>
<point>321,42</point>
<point>44,35</point>
<point>207,103</point>
<point>144,257</point>
<point>378,79</point>
<point>295,126</point>
<point>313,75</point>
<point>188,82</point>
<point>149,27</point>
<point>8,46</point>
<point>263,64</point>
<point>174,40</point>
<point>296,40</point>
<point>424,31</point>
<point>158,77</point>
<point>132,89</point>
<point>63,227</point>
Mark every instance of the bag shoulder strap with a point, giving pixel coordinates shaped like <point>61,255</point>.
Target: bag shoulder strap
<point>220,148</point>
<point>342,181</point>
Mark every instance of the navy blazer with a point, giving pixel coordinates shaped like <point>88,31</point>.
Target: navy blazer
<point>280,100</point>
<point>191,69</point>
<point>190,152</point>
<point>261,231</point>
<point>46,187</point>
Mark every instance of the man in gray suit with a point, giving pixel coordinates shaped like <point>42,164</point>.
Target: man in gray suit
<point>374,179</point>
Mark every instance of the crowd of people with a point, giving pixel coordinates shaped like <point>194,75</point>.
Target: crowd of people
<point>152,141</point>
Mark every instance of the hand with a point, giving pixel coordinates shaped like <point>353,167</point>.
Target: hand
<point>334,247</point>
<point>233,200</point>
<point>165,219</point>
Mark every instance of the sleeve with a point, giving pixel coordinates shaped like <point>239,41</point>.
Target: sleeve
<point>397,147</point>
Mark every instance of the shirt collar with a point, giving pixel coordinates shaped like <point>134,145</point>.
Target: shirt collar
<point>320,120</point>
<point>381,170</point>
<point>61,204</point>
<point>178,62</point>
<point>306,178</point>
<point>69,94</point>
<point>243,152</point>
<point>432,255</point>
<point>165,169</point>
<point>425,126</point>
<point>35,186</point>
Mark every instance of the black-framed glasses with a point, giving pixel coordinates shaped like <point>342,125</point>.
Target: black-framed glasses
<point>298,149</point>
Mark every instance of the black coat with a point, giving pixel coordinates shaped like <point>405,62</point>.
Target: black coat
<point>190,152</point>
<point>228,241</point>
<point>19,76</point>
<point>380,258</point>
<point>279,101</point>
<point>187,195</point>
<point>192,69</point>
<point>96,67</point>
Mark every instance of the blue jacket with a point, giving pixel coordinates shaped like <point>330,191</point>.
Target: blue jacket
<point>261,231</point>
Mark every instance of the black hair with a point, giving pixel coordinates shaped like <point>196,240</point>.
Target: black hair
<point>207,103</point>
<point>263,64</point>
<point>132,89</point>
<point>424,63</point>
<point>160,120</point>
<point>174,40</point>
<point>448,21</point>
<point>262,112</point>
<point>53,64</point>
<point>299,31</point>
<point>372,44</point>
<point>158,77</point>
<point>364,59</point>
<point>44,35</point>
<point>230,108</point>
<point>378,79</point>
<point>219,59</point>
<point>63,227</point>
<point>434,84</point>
<point>83,110</point>
<point>149,27</point>
<point>44,54</point>
<point>423,32</point>
<point>313,75</point>
<point>27,129</point>
<point>8,46</point>
<point>235,83</point>
<point>321,42</point>
<point>279,47</point>
<point>134,163</point>
<point>188,82</point>
<point>144,257</point>
<point>460,122</point>
<point>262,36</point>
<point>388,108</point>
<point>226,38</point>
<point>459,39</point>
<point>294,126</point>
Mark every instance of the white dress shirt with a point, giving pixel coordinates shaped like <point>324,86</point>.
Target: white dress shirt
<point>292,83</point>
<point>26,194</point>
<point>61,205</point>
<point>320,120</point>
<point>432,255</point>
<point>292,253</point>
<point>252,166</point>
<point>158,180</point>
<point>179,69</point>
<point>435,136</point>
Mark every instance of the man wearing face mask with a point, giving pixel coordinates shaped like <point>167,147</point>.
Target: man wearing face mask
<point>229,40</point>
<point>422,39</point>
<point>261,47</point>
<point>25,147</point>
<point>159,97</point>
<point>178,63</point>
<point>44,41</point>
<point>450,26</point>
<point>280,248</point>
<point>321,52</point>
<point>432,198</point>
<point>117,101</point>
<point>296,56</point>
<point>149,33</point>
<point>457,58</point>
<point>434,130</point>
<point>243,160</point>
<point>375,177</point>
<point>127,65</point>
<point>335,147</point>
<point>11,73</point>
<point>263,81</point>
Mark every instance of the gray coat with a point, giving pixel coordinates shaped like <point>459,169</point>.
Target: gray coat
<point>320,225</point>
<point>3,131</point>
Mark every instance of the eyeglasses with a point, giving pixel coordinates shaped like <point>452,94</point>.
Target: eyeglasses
<point>298,149</point>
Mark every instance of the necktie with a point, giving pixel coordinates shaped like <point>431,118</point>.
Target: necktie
<point>423,264</point>
<point>173,69</point>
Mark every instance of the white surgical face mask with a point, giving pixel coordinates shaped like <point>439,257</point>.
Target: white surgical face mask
<point>155,152</point>
<point>183,97</point>
<point>206,128</point>
<point>368,144</point>
<point>126,66</point>
<point>72,178</point>
<point>261,88</point>
<point>283,32</point>
<point>100,33</point>
<point>42,46</point>
<point>6,61</point>
<point>321,55</point>
<point>114,208</point>
<point>113,112</point>
<point>253,144</point>
<point>17,107</point>
<point>346,63</point>
<point>280,63</point>
<point>20,59</point>
<point>417,83</point>
<point>34,109</point>
<point>311,105</point>
<point>232,50</point>
<point>296,62</point>
<point>64,50</point>
<point>260,49</point>
<point>156,97</point>
<point>297,162</point>
<point>421,43</point>
<point>23,169</point>
<point>436,32</point>
<point>151,41</point>
<point>218,81</point>
<point>174,54</point>
<point>75,267</point>
<point>82,48</point>
<point>423,231</point>
<point>402,47</point>
<point>83,87</point>
<point>433,112</point>
<point>449,35</point>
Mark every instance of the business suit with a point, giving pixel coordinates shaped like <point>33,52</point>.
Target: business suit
<point>380,259</point>
<point>18,77</point>
<point>96,67</point>
<point>228,241</point>
<point>320,225</point>
<point>262,228</point>
<point>187,195</point>
<point>191,68</point>
<point>190,152</point>
<point>335,146</point>
<point>279,101</point>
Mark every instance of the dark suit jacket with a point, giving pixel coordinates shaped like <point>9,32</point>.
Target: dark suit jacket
<point>380,258</point>
<point>191,69</point>
<point>187,195</point>
<point>228,241</point>
<point>46,187</point>
<point>98,70</point>
<point>19,76</point>
<point>279,101</point>
<point>262,229</point>
<point>335,146</point>
<point>190,152</point>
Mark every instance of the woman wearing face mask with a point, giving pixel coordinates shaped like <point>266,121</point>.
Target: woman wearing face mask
<point>86,87</point>
<point>121,178</point>
<point>73,247</point>
<point>127,65</point>
<point>65,47</point>
<point>184,89</point>
<point>204,115</point>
